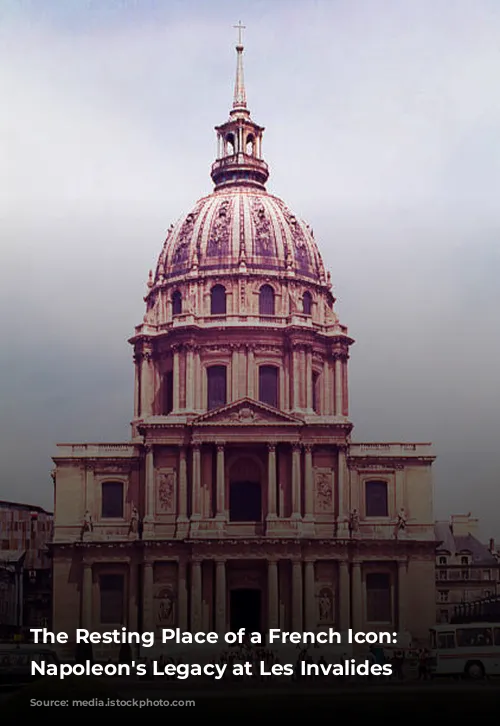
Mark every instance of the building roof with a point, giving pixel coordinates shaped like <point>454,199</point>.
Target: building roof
<point>24,507</point>
<point>463,543</point>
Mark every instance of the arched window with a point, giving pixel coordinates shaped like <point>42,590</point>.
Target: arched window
<point>250,145</point>
<point>230,151</point>
<point>176,303</point>
<point>216,386</point>
<point>218,300</point>
<point>376,499</point>
<point>266,300</point>
<point>269,385</point>
<point>307,302</point>
<point>112,500</point>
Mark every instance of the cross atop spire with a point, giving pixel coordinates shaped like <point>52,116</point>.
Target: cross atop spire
<point>240,98</point>
<point>240,28</point>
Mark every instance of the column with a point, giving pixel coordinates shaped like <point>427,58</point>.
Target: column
<point>189,379</point>
<point>197,379</point>
<point>345,388</point>
<point>147,597</point>
<point>310,596</point>
<point>147,384</point>
<point>272,595</point>
<point>220,597</point>
<point>182,513</point>
<point>296,504</point>
<point>309,484</point>
<point>137,386</point>
<point>150,484</point>
<point>87,596</point>
<point>89,489</point>
<point>402,619</point>
<point>297,595</point>
<point>325,388</point>
<point>250,372</point>
<point>176,378</point>
<point>338,386</point>
<point>195,596</point>
<point>345,596</point>
<point>132,596</point>
<point>309,385</point>
<point>295,378</point>
<point>341,462</point>
<point>182,596</point>
<point>357,597</point>
<point>221,483</point>
<point>271,482</point>
<point>196,498</point>
<point>234,374</point>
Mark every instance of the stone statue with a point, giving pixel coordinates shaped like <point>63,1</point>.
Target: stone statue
<point>166,609</point>
<point>325,606</point>
<point>134,521</point>
<point>354,521</point>
<point>87,525</point>
<point>401,522</point>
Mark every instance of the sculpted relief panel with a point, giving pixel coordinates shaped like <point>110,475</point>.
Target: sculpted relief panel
<point>323,491</point>
<point>165,491</point>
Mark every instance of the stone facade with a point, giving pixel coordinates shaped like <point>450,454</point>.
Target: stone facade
<point>466,569</point>
<point>25,566</point>
<point>241,499</point>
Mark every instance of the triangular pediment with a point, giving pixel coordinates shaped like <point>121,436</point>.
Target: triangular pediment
<point>247,412</point>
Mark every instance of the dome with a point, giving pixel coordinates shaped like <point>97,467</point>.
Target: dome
<point>240,228</point>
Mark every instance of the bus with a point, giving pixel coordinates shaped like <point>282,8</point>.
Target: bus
<point>471,650</point>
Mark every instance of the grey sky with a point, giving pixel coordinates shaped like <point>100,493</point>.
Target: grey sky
<point>383,132</point>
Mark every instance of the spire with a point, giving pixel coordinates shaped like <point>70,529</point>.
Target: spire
<point>239,140</point>
<point>240,98</point>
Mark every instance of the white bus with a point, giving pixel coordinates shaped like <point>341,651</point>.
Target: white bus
<point>471,650</point>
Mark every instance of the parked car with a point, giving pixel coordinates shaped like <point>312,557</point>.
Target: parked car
<point>15,663</point>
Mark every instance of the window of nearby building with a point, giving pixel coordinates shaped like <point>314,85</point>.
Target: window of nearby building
<point>465,574</point>
<point>266,300</point>
<point>269,385</point>
<point>176,303</point>
<point>378,598</point>
<point>218,300</point>
<point>112,588</point>
<point>307,303</point>
<point>443,616</point>
<point>169,392</point>
<point>112,500</point>
<point>444,595</point>
<point>486,574</point>
<point>443,574</point>
<point>443,560</point>
<point>464,560</point>
<point>376,499</point>
<point>216,386</point>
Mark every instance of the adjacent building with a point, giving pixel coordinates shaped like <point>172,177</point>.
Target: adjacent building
<point>466,569</point>
<point>241,499</point>
<point>25,567</point>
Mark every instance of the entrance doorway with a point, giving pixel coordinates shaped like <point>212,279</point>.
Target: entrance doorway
<point>245,501</point>
<point>245,610</point>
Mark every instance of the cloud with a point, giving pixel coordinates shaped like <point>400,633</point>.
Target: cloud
<point>382,125</point>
